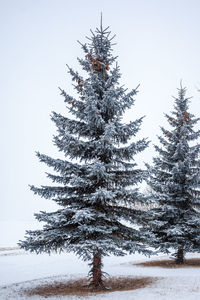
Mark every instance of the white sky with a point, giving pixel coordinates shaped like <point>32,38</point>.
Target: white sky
<point>158,43</point>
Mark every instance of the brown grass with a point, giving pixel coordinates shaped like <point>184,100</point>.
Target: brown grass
<point>80,287</point>
<point>169,263</point>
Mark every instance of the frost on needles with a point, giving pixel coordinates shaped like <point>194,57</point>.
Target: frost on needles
<point>97,182</point>
<point>175,183</point>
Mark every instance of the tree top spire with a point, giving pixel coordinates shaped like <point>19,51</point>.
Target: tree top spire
<point>101,21</point>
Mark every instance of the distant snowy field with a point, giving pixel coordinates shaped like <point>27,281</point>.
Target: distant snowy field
<point>19,270</point>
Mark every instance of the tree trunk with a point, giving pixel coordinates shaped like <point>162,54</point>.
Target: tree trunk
<point>180,256</point>
<point>96,272</point>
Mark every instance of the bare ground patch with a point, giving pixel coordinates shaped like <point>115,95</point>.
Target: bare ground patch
<point>80,287</point>
<point>9,248</point>
<point>11,251</point>
<point>13,254</point>
<point>170,263</point>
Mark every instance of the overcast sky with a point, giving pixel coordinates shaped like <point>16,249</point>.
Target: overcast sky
<point>158,44</point>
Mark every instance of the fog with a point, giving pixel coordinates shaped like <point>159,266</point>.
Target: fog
<point>158,44</point>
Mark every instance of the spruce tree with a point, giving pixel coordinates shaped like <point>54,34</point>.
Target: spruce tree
<point>174,179</point>
<point>97,180</point>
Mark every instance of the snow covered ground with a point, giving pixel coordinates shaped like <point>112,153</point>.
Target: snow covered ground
<point>19,270</point>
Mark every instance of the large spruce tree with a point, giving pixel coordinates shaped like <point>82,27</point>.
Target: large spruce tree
<point>174,179</point>
<point>97,182</point>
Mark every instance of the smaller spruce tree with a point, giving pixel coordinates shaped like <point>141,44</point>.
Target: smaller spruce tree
<point>174,179</point>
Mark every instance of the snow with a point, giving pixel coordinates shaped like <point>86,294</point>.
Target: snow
<point>20,270</point>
